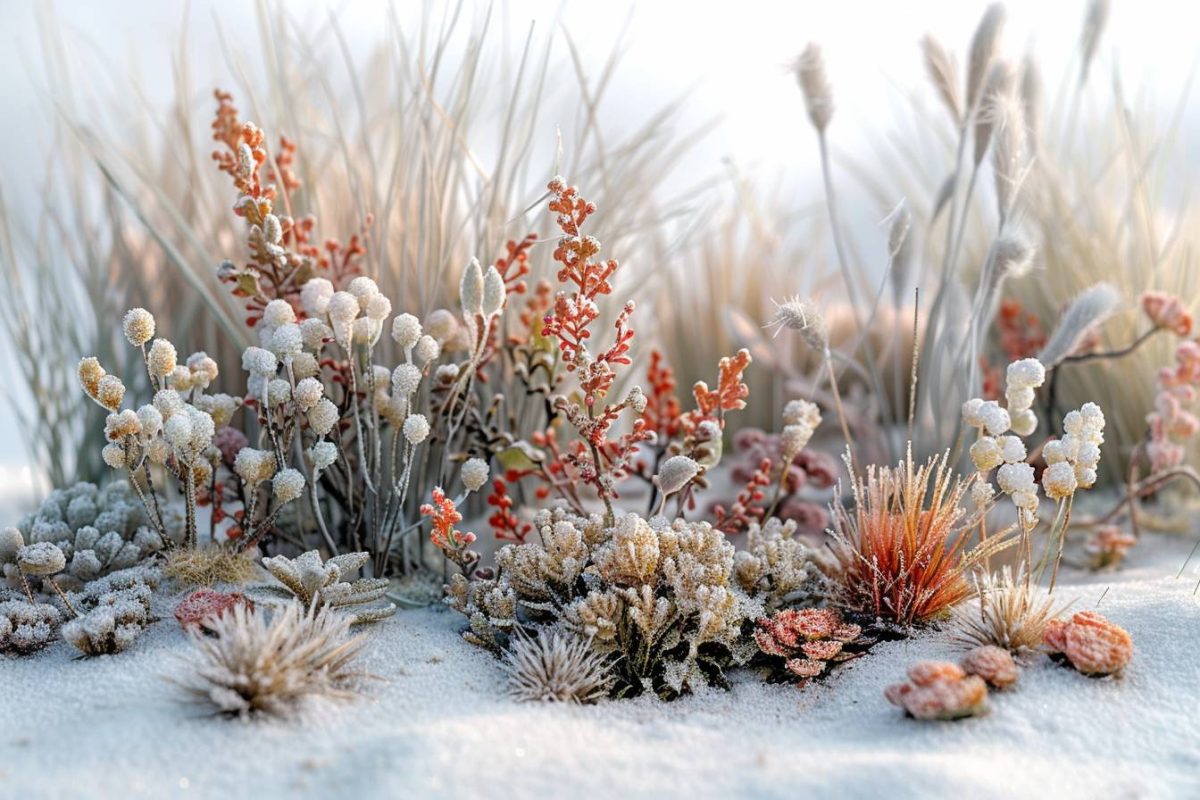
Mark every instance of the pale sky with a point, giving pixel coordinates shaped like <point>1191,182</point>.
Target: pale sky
<point>731,56</point>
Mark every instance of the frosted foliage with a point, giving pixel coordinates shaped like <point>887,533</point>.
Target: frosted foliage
<point>310,580</point>
<point>665,600</point>
<point>26,627</point>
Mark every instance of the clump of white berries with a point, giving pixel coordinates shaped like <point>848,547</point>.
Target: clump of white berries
<point>474,474</point>
<point>1073,459</point>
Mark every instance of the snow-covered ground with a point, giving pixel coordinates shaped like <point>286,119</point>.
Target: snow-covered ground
<point>439,725</point>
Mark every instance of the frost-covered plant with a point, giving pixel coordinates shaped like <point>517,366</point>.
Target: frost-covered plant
<point>939,690</point>
<point>209,565</point>
<point>805,643</point>
<point>661,598</point>
<point>98,531</point>
<point>26,627</point>
<point>1011,613</point>
<point>252,662</point>
<point>778,567</point>
<point>1089,643</point>
<point>556,667</point>
<point>903,547</point>
<point>110,612</point>
<point>1107,546</point>
<point>311,581</point>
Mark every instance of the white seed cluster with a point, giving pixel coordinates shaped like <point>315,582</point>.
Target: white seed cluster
<point>1072,460</point>
<point>474,474</point>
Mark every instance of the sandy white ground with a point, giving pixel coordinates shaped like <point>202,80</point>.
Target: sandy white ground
<point>439,725</point>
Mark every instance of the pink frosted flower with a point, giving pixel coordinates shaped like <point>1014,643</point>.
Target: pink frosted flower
<point>1167,311</point>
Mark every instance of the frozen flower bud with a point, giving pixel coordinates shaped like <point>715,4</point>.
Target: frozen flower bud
<point>363,289</point>
<point>1085,476</point>
<point>114,456</point>
<point>278,391</point>
<point>1028,373</point>
<point>279,312</point>
<point>90,372</point>
<point>110,392</point>
<point>1088,455</point>
<point>322,417</point>
<point>446,374</point>
<point>322,455</point>
<point>287,340</point>
<point>309,392</point>
<point>120,425</point>
<point>11,540</point>
<point>1054,452</point>
<point>1026,500</point>
<point>406,330</point>
<point>41,558</point>
<point>378,307</point>
<point>405,380</point>
<point>802,412</point>
<point>254,466</point>
<point>138,326</point>
<point>416,428</point>
<point>181,379</point>
<point>636,399</point>
<point>970,413</point>
<point>314,332</point>
<point>675,473</point>
<point>259,362</point>
<point>493,292</point>
<point>343,308</point>
<point>474,473</point>
<point>315,295</point>
<point>1012,449</point>
<point>204,369</point>
<point>1019,399</point>
<point>203,430</point>
<point>168,402</point>
<point>427,350</point>
<point>150,420</point>
<point>794,438</point>
<point>818,97</point>
<point>1014,478</point>
<point>441,325</point>
<point>981,494</point>
<point>995,419</point>
<point>158,451</point>
<point>305,365</point>
<point>986,454</point>
<point>162,358</point>
<point>1024,423</point>
<point>470,289</point>
<point>1058,481</point>
<point>287,485</point>
<point>178,431</point>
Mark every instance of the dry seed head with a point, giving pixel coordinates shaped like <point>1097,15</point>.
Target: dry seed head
<point>90,372</point>
<point>138,326</point>
<point>555,667</point>
<point>814,83</point>
<point>1009,159</point>
<point>1093,28</point>
<point>470,290</point>
<point>162,359</point>
<point>802,316</point>
<point>943,73</point>
<point>110,391</point>
<point>675,473</point>
<point>493,292</point>
<point>1031,101</point>
<point>1089,308</point>
<point>984,45</point>
<point>999,81</point>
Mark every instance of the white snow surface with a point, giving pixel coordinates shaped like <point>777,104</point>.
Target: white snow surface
<point>438,724</point>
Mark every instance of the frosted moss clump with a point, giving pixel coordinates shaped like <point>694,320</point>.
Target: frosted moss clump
<point>26,627</point>
<point>113,611</point>
<point>326,583</point>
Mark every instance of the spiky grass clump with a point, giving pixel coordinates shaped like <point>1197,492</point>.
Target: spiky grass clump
<point>255,663</point>
<point>209,566</point>
<point>1012,613</point>
<point>903,548</point>
<point>556,667</point>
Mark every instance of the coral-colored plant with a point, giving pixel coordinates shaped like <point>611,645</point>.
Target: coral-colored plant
<point>504,522</point>
<point>994,664</point>
<point>1090,644</point>
<point>903,547</point>
<point>809,640</point>
<point>454,543</point>
<point>204,605</point>
<point>1107,547</point>
<point>939,690</point>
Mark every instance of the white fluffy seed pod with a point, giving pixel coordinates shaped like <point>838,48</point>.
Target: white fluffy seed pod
<point>315,295</point>
<point>287,485</point>
<point>416,429</point>
<point>493,292</point>
<point>474,473</point>
<point>162,358</point>
<point>406,330</point>
<point>470,290</point>
<point>138,326</point>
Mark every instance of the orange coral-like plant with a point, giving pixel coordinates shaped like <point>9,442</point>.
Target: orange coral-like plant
<point>1090,643</point>
<point>903,548</point>
<point>454,543</point>
<point>939,690</point>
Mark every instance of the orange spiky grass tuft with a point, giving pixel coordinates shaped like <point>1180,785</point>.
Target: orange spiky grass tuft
<point>903,548</point>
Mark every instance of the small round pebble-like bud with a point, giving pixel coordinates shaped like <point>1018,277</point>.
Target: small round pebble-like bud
<point>322,417</point>
<point>315,295</point>
<point>378,307</point>
<point>995,419</point>
<point>11,540</point>
<point>416,429</point>
<point>363,289</point>
<point>1015,478</point>
<point>406,330</point>
<point>970,412</point>
<point>322,455</point>
<point>1024,422</point>
<point>279,312</point>
<point>314,332</point>
<point>474,473</point>
<point>309,392</point>
<point>287,485</point>
<point>138,326</point>
<point>304,365</point>
<point>427,349</point>
<point>986,454</point>
<point>441,325</point>
<point>1012,449</point>
<point>287,340</point>
<point>162,358</point>
<point>41,558</point>
<point>493,292</point>
<point>802,412</point>
<point>405,380</point>
<point>470,289</point>
<point>1028,373</point>
<point>259,362</point>
<point>110,392</point>
<point>1058,480</point>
